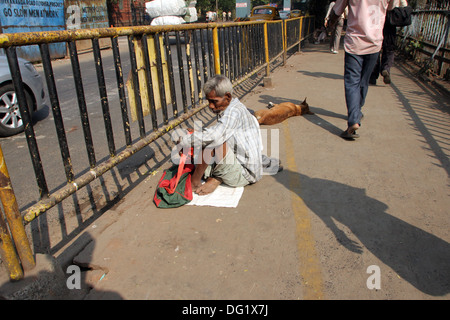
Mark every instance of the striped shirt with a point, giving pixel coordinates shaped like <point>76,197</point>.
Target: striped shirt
<point>236,126</point>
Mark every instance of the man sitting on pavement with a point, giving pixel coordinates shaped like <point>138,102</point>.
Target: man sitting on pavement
<point>231,149</point>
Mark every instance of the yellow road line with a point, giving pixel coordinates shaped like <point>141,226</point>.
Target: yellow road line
<point>309,267</point>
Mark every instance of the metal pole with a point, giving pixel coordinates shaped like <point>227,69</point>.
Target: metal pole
<point>14,218</point>
<point>216,50</point>
<point>300,35</point>
<point>56,110</point>
<point>181,60</point>
<point>103,97</point>
<point>190,71</point>
<point>82,102</point>
<point>266,50</point>
<point>171,75</point>
<point>147,80</point>
<point>283,32</point>
<point>29,131</point>
<point>121,89</point>
<point>162,90</point>
<point>8,252</point>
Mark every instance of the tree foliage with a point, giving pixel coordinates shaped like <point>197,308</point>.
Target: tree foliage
<point>261,2</point>
<point>210,5</point>
<point>226,5</point>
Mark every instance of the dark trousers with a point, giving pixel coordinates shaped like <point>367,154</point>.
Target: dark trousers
<point>388,51</point>
<point>358,69</point>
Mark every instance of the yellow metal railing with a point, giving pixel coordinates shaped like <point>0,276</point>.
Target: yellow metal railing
<point>151,86</point>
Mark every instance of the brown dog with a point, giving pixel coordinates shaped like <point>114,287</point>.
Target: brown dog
<point>280,112</point>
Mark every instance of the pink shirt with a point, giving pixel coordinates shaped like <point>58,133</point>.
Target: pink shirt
<point>365,23</point>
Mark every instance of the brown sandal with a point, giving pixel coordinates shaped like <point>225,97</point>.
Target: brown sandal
<point>349,135</point>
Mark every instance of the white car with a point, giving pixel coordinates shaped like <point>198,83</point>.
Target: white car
<point>11,121</point>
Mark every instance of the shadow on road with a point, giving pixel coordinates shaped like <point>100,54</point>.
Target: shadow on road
<point>51,281</point>
<point>415,255</point>
<point>327,75</point>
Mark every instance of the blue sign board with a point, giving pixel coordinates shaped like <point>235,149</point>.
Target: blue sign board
<point>31,16</point>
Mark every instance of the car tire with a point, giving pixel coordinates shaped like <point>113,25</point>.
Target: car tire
<point>11,121</point>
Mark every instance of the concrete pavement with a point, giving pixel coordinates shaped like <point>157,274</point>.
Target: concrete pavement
<point>363,219</point>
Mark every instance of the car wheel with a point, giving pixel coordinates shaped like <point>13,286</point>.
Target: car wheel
<point>11,121</point>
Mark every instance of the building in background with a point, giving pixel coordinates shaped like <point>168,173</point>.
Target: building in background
<point>87,14</point>
<point>124,13</point>
<point>286,5</point>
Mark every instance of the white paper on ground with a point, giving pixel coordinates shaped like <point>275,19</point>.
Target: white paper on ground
<point>223,196</point>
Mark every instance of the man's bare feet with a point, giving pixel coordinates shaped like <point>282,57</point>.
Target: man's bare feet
<point>206,188</point>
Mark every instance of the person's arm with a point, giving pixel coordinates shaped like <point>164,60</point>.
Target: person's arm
<point>396,3</point>
<point>327,17</point>
<point>332,19</point>
<point>216,135</point>
<point>337,11</point>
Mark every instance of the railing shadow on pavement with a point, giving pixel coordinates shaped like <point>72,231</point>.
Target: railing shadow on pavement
<point>428,122</point>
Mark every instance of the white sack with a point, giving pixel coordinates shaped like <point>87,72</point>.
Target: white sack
<point>161,8</point>
<point>191,16</point>
<point>167,20</point>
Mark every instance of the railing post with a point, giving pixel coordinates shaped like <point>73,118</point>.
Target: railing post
<point>267,81</point>
<point>29,131</point>
<point>14,218</point>
<point>216,49</point>
<point>266,49</point>
<point>300,35</point>
<point>8,252</point>
<point>283,31</point>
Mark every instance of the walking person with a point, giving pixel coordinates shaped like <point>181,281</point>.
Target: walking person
<point>388,51</point>
<point>336,30</point>
<point>362,45</point>
<point>387,54</point>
